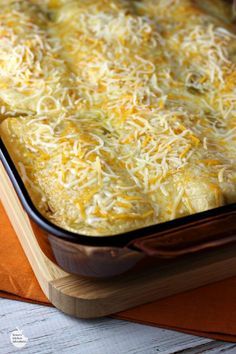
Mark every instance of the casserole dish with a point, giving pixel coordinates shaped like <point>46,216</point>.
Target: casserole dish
<point>119,115</point>
<point>106,256</point>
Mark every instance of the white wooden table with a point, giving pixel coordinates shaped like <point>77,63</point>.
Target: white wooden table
<point>50,331</point>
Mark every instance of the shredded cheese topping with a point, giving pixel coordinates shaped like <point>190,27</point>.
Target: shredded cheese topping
<point>33,77</point>
<point>129,109</point>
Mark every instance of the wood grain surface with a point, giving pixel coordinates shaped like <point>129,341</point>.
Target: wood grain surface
<point>50,331</point>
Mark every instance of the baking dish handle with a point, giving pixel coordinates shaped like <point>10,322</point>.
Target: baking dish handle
<point>190,238</point>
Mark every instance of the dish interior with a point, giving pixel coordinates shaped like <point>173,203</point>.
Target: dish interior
<point>120,115</point>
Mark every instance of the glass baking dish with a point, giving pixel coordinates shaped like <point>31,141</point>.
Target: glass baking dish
<point>106,256</point>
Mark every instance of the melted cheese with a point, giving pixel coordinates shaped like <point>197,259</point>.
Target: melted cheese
<point>33,77</point>
<point>130,110</point>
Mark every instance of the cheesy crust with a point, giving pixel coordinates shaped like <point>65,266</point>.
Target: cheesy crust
<point>124,112</point>
<point>33,79</point>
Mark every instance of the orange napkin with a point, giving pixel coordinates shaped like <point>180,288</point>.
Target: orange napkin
<point>208,311</point>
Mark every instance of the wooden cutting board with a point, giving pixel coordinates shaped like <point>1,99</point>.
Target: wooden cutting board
<point>87,298</point>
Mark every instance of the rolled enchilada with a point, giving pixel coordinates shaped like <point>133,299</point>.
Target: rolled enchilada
<point>141,126</point>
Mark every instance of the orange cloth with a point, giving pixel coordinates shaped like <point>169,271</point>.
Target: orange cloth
<point>208,311</point>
